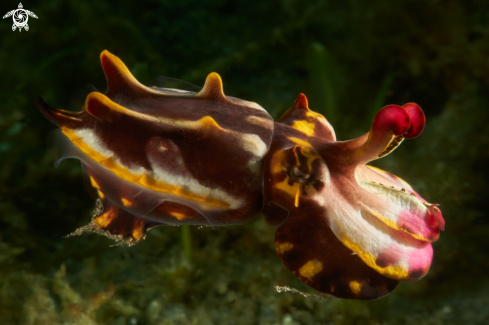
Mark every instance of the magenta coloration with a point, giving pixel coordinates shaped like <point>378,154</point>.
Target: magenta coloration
<point>159,156</point>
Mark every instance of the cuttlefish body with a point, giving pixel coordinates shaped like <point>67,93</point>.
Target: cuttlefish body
<point>161,156</point>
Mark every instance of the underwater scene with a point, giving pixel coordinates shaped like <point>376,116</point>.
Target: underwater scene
<point>235,162</point>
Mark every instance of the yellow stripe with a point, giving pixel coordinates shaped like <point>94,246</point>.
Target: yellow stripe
<point>126,202</point>
<point>300,142</point>
<point>144,180</point>
<point>208,122</point>
<point>104,219</point>
<point>291,190</point>
<point>94,183</point>
<point>296,201</point>
<point>392,224</point>
<point>314,115</point>
<point>105,101</point>
<point>397,272</point>
<point>386,174</point>
<point>179,216</point>
<point>304,127</point>
<point>119,65</point>
<point>310,155</point>
<point>100,194</point>
<point>278,162</point>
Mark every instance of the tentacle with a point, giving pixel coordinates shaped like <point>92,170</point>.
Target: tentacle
<point>417,118</point>
<point>390,126</point>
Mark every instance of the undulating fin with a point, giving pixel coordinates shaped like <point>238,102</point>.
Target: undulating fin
<point>310,123</point>
<point>309,249</point>
<point>213,88</point>
<point>117,224</point>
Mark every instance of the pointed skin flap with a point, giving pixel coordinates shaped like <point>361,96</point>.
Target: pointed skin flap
<point>58,116</point>
<point>213,88</point>
<point>102,107</point>
<point>202,150</point>
<point>338,208</point>
<point>309,123</point>
<point>119,78</point>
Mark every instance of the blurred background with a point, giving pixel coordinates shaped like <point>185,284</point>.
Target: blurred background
<point>349,57</point>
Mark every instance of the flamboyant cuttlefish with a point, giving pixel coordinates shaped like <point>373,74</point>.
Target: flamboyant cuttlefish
<point>159,156</point>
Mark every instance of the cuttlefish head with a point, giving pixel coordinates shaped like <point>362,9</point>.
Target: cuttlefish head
<point>346,228</point>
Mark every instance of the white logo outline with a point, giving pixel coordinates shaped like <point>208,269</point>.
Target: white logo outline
<point>20,17</point>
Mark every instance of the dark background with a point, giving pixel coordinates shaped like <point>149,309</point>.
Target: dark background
<point>349,57</point>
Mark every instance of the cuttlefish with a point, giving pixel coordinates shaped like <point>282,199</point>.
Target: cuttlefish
<point>163,156</point>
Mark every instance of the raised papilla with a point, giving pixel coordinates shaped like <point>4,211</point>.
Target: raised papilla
<point>162,156</point>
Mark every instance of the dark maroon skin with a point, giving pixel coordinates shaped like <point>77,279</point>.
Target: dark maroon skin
<point>231,146</point>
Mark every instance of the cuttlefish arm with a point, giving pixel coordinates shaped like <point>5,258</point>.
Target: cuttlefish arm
<point>345,228</point>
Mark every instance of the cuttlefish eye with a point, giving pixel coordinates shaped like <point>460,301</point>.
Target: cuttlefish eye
<point>301,177</point>
<point>305,166</point>
<point>363,230</point>
<point>163,156</point>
